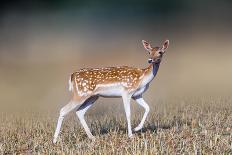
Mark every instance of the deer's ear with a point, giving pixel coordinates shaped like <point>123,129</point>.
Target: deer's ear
<point>165,45</point>
<point>146,45</point>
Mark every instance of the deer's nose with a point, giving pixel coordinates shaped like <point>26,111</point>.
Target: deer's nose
<point>150,60</point>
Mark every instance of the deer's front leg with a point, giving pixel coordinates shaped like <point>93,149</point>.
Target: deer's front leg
<point>142,103</point>
<point>126,101</point>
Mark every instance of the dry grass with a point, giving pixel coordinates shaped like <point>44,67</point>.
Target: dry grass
<point>180,126</point>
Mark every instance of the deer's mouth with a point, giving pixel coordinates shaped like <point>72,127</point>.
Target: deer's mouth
<point>157,60</point>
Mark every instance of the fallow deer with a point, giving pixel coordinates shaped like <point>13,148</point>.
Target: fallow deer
<point>87,85</point>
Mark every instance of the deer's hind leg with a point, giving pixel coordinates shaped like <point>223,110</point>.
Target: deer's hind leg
<point>65,110</point>
<point>81,113</point>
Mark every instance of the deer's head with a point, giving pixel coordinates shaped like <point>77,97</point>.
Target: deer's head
<point>156,53</point>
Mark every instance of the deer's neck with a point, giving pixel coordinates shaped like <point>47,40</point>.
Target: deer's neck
<point>151,72</point>
<point>153,69</point>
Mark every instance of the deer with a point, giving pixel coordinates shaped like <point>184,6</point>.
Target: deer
<point>88,84</point>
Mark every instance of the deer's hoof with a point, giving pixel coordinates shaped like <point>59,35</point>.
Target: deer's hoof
<point>92,138</point>
<point>54,141</point>
<point>130,135</point>
<point>138,128</point>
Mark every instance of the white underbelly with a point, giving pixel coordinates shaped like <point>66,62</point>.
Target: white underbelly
<point>110,91</point>
<point>116,90</point>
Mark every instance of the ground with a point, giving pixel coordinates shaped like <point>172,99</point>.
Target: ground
<point>178,126</point>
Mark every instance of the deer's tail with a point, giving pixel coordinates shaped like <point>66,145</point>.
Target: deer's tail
<point>70,82</point>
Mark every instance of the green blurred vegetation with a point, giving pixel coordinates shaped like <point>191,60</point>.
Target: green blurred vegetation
<point>146,6</point>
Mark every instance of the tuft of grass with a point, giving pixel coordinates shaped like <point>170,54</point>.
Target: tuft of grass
<point>180,126</point>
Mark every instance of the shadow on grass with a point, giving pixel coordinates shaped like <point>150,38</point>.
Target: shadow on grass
<point>122,129</point>
<point>153,128</point>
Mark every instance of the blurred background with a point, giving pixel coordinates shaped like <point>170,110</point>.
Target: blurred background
<point>43,41</point>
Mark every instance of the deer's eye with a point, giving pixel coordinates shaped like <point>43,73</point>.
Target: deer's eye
<point>160,52</point>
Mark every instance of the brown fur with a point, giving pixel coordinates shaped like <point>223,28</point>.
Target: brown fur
<point>87,79</point>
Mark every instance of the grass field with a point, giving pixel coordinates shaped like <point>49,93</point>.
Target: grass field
<point>42,42</point>
<point>175,126</point>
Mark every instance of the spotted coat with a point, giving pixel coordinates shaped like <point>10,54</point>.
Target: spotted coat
<point>87,80</point>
